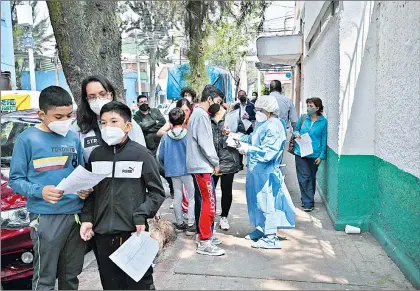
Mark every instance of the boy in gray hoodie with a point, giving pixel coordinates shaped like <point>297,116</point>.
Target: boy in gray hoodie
<point>202,162</point>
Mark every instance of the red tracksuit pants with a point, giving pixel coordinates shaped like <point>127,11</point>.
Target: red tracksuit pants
<point>205,205</point>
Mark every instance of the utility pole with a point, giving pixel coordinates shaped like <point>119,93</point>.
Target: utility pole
<point>25,19</point>
<point>138,69</point>
<point>32,65</point>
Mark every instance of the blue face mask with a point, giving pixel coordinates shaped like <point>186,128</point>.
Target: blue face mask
<point>311,110</point>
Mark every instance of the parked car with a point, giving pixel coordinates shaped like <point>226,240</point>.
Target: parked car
<point>16,244</point>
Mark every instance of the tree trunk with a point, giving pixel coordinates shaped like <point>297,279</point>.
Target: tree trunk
<point>195,19</point>
<point>161,230</point>
<point>152,62</point>
<point>89,42</point>
<point>237,82</point>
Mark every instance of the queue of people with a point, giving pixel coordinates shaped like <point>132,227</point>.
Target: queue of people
<point>193,151</point>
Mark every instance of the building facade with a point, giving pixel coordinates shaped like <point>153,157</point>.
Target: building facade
<point>362,59</point>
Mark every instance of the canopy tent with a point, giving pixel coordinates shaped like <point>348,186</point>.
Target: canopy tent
<point>217,77</point>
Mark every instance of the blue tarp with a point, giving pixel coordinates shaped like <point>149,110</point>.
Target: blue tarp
<point>217,77</point>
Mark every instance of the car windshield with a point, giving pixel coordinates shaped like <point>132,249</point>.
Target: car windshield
<point>10,130</point>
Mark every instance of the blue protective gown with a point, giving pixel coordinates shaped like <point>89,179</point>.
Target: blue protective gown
<point>269,204</point>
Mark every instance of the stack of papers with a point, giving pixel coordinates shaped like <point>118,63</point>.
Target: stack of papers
<point>80,179</point>
<point>136,255</point>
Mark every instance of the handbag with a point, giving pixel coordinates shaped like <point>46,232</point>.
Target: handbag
<point>292,141</point>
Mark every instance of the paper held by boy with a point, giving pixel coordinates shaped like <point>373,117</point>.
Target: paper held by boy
<point>80,179</point>
<point>136,255</point>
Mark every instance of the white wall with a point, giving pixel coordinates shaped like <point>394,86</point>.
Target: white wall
<point>397,129</point>
<point>365,68</point>
<point>321,71</point>
<point>313,12</point>
<point>357,78</point>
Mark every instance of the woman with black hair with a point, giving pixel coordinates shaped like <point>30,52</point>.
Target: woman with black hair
<point>316,125</point>
<point>189,94</point>
<point>96,92</point>
<point>229,158</point>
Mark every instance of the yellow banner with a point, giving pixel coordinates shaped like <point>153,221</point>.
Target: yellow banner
<point>15,102</point>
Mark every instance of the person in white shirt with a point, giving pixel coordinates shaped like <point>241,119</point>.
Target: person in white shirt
<point>286,110</point>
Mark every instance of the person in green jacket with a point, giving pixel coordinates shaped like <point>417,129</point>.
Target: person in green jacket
<point>150,121</point>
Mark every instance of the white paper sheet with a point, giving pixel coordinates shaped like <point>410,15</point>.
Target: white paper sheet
<point>136,255</point>
<point>231,142</point>
<point>305,145</point>
<point>235,136</point>
<point>246,123</point>
<point>232,120</point>
<point>80,179</point>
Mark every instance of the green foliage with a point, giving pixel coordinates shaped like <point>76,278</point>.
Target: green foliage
<point>219,31</point>
<point>264,90</point>
<point>43,40</point>
<point>231,36</point>
<point>151,26</point>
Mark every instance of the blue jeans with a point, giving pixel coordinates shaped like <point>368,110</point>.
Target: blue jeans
<point>306,174</point>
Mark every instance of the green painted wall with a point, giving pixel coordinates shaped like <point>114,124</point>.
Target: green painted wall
<point>375,195</point>
<point>328,182</point>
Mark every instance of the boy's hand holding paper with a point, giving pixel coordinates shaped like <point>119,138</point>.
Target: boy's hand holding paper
<point>52,194</point>
<point>83,194</point>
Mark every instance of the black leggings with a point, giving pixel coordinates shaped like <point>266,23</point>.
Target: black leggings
<point>227,184</point>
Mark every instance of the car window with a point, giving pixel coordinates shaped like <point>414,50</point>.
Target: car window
<point>10,130</point>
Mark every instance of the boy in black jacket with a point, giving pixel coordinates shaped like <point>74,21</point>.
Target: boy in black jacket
<point>121,203</point>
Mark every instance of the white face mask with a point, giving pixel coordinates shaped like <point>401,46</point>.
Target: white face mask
<point>60,127</point>
<point>97,105</point>
<point>260,117</point>
<point>112,135</point>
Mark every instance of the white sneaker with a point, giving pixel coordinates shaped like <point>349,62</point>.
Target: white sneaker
<point>224,223</point>
<point>271,242</point>
<point>171,206</point>
<point>215,240</point>
<point>205,247</point>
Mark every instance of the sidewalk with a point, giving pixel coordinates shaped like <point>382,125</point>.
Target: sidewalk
<point>314,256</point>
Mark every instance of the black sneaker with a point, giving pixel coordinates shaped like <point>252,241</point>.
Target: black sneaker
<point>191,230</point>
<point>180,227</point>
